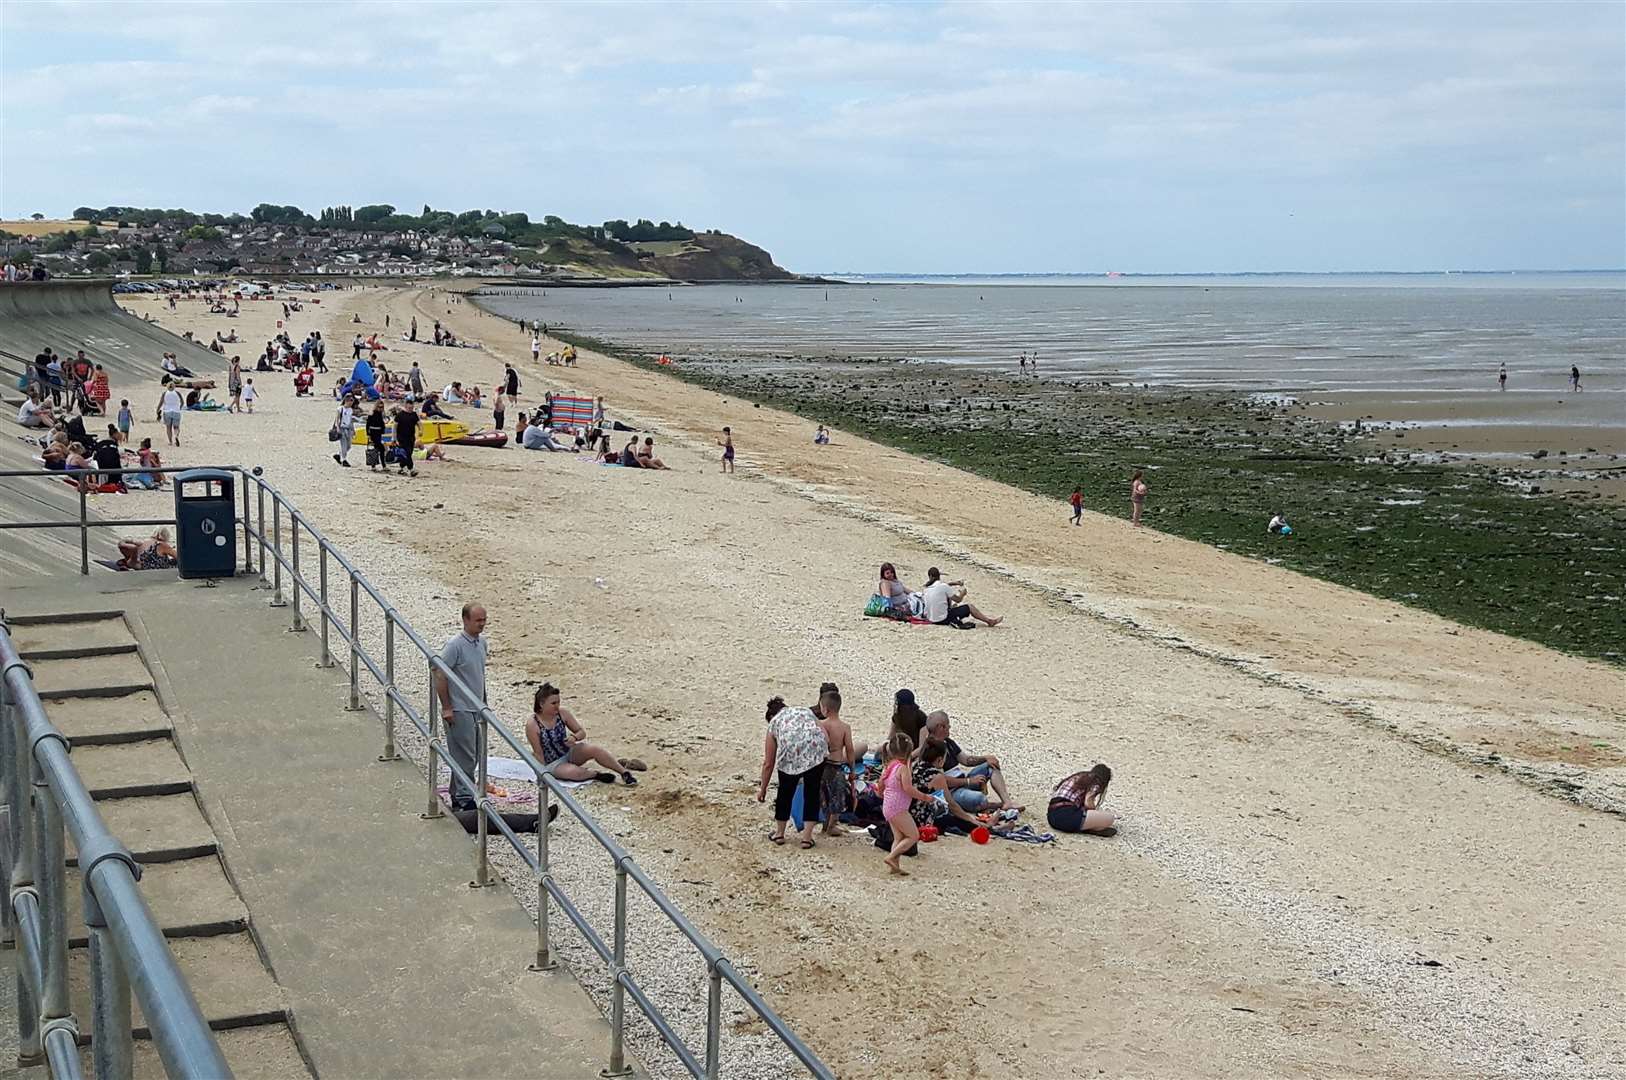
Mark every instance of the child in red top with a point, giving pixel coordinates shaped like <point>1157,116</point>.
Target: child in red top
<point>1077,499</point>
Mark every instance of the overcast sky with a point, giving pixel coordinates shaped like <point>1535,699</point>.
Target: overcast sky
<point>999,137</point>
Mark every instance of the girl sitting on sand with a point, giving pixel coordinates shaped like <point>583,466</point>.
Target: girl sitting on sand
<point>1075,805</point>
<point>554,734</point>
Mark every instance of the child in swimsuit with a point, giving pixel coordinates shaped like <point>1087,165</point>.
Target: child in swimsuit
<point>728,450</point>
<point>898,791</point>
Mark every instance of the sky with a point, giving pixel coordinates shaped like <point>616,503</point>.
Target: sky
<point>924,138</point>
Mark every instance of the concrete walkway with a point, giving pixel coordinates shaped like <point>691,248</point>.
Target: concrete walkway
<point>391,964</point>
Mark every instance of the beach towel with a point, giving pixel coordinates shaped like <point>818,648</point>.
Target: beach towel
<point>1024,834</point>
<point>571,412</point>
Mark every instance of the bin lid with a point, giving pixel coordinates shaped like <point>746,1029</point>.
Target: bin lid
<point>202,474</point>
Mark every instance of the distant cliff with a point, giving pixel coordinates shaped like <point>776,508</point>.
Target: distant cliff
<point>718,256</point>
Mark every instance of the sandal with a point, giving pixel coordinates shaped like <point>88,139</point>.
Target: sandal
<point>806,844</point>
<point>777,840</point>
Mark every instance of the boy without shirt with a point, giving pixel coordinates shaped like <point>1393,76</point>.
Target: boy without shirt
<point>839,736</point>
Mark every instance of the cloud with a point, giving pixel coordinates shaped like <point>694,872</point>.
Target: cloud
<point>846,133</point>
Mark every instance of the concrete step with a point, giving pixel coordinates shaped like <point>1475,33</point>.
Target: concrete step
<point>101,721</point>
<point>123,770</point>
<point>44,641</point>
<point>98,676</point>
<point>226,974</point>
<point>158,828</point>
<point>188,898</point>
<point>261,1052</point>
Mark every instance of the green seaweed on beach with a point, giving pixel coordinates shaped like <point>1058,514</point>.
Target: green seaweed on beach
<point>1449,539</point>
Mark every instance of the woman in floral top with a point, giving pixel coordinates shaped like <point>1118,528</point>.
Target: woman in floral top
<point>795,748</point>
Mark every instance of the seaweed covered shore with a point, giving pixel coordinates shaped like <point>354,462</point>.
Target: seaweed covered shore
<point>1471,543</point>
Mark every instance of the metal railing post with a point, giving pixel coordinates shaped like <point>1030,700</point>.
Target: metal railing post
<point>298,588</point>
<point>29,1051</point>
<point>248,538</point>
<point>52,875</point>
<point>544,956</point>
<point>482,857</point>
<point>355,644</point>
<point>112,1048</point>
<point>327,655</point>
<point>276,547</point>
<point>433,715</point>
<point>259,497</point>
<point>389,687</point>
<point>8,797</point>
<point>714,1020</point>
<point>84,531</point>
<point>618,970</point>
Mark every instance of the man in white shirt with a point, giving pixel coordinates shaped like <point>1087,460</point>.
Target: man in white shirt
<point>33,413</point>
<point>943,604</point>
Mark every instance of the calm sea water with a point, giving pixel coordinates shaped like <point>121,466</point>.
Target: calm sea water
<point>1414,337</point>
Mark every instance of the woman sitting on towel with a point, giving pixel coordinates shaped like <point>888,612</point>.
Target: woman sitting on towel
<point>554,733</point>
<point>646,454</point>
<point>899,596</point>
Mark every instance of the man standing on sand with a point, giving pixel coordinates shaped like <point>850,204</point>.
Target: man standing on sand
<point>415,380</point>
<point>414,335</point>
<point>511,385</point>
<point>464,656</point>
<point>1575,379</point>
<point>319,352</point>
<point>536,350</point>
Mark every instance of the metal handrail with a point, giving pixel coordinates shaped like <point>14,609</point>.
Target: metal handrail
<point>127,947</point>
<point>273,561</point>
<point>719,969</point>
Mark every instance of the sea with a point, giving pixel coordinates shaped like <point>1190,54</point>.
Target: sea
<point>1411,338</point>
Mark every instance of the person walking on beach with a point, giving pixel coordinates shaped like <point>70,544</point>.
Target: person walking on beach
<point>234,384</point>
<point>415,380</point>
<point>249,395</point>
<point>1575,379</point>
<point>1501,377</point>
<point>406,438</point>
<point>464,655</point>
<point>536,349</point>
<point>498,407</point>
<point>511,381</point>
<point>727,444</point>
<point>375,437</point>
<point>169,411</point>
<point>414,334</point>
<point>1137,496</point>
<point>345,424</point>
<point>1077,501</point>
<point>319,352</point>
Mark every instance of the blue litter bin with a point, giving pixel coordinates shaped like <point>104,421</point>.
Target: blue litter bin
<point>205,524</point>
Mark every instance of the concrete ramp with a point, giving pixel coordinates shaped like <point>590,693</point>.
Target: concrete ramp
<point>68,316</point>
<point>71,315</point>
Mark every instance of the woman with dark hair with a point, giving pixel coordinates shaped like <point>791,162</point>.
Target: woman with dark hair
<point>554,733</point>
<point>1075,805</point>
<point>898,595</point>
<point>907,716</point>
<point>795,748</point>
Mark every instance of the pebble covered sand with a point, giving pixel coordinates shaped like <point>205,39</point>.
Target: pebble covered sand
<point>1303,886</point>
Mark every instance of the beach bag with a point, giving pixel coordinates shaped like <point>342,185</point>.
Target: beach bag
<point>22,382</point>
<point>372,457</point>
<point>878,607</point>
<point>333,433</point>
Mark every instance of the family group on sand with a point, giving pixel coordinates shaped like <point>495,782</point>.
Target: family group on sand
<point>921,784</point>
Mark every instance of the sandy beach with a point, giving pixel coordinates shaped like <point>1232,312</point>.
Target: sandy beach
<point>1358,839</point>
